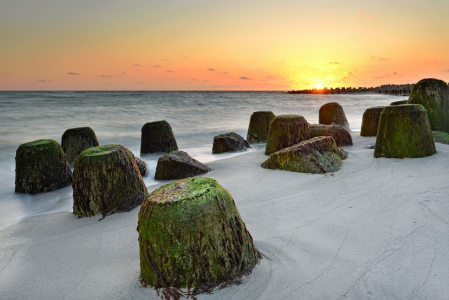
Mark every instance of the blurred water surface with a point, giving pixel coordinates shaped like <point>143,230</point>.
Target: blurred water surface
<point>117,117</point>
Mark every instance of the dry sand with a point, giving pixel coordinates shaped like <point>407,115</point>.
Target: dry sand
<point>376,229</point>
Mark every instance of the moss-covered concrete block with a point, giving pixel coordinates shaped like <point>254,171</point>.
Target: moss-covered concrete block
<point>76,140</point>
<point>258,126</point>
<point>341,136</point>
<point>191,235</point>
<point>441,137</point>
<point>41,166</point>
<point>286,131</point>
<point>229,142</point>
<point>157,137</point>
<point>142,166</point>
<point>333,114</point>
<point>106,180</point>
<point>404,131</point>
<point>178,165</point>
<point>317,155</point>
<point>400,102</point>
<point>433,94</point>
<point>370,121</point>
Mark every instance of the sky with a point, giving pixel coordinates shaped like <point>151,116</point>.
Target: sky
<point>220,45</point>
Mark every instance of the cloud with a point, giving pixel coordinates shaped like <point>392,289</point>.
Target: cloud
<point>157,66</point>
<point>212,70</point>
<point>383,76</point>
<point>106,76</point>
<point>395,73</point>
<point>334,63</point>
<point>169,71</point>
<point>71,73</point>
<point>123,73</point>
<point>353,17</point>
<point>43,80</point>
<point>138,82</point>
<point>379,58</point>
<point>165,59</point>
<point>362,12</point>
<point>371,16</point>
<point>245,78</point>
<point>270,77</point>
<point>225,72</point>
<point>137,65</point>
<point>446,70</point>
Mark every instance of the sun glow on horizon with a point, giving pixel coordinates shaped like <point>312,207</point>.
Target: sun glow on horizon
<point>319,86</point>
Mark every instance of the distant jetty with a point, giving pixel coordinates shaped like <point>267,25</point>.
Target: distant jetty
<point>389,89</point>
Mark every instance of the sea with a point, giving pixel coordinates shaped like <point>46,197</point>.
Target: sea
<point>117,118</point>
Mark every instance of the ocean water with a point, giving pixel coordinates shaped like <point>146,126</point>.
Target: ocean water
<point>117,117</point>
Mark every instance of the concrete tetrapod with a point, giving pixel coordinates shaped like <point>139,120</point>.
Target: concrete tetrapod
<point>41,166</point>
<point>286,131</point>
<point>404,131</point>
<point>433,94</point>
<point>341,136</point>
<point>317,155</point>
<point>333,114</point>
<point>191,235</point>
<point>258,126</point>
<point>106,180</point>
<point>370,121</point>
<point>157,137</point>
<point>76,140</point>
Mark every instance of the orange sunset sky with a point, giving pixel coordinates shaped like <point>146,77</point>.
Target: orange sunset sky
<point>220,45</point>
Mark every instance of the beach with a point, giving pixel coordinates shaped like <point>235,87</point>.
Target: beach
<point>376,229</point>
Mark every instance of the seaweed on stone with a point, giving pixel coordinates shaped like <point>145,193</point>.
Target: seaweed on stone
<point>191,237</point>
<point>178,165</point>
<point>285,131</point>
<point>341,136</point>
<point>76,140</point>
<point>107,180</point>
<point>370,121</point>
<point>433,94</point>
<point>317,155</point>
<point>333,114</point>
<point>41,166</point>
<point>404,131</point>
<point>259,125</point>
<point>229,142</point>
<point>157,137</point>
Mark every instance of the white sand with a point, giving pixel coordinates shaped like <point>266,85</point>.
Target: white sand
<point>376,229</point>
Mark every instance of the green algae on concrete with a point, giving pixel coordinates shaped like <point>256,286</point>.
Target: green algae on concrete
<point>370,121</point>
<point>41,166</point>
<point>441,137</point>
<point>433,94</point>
<point>333,114</point>
<point>191,235</point>
<point>229,142</point>
<point>341,136</point>
<point>106,180</point>
<point>258,126</point>
<point>317,155</point>
<point>398,102</point>
<point>157,137</point>
<point>76,140</point>
<point>286,131</point>
<point>404,131</point>
<point>178,165</point>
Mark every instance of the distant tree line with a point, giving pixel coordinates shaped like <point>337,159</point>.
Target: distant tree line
<point>391,89</point>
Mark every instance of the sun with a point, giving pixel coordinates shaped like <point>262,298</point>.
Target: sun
<point>319,86</point>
